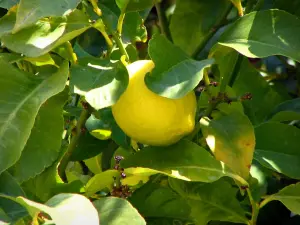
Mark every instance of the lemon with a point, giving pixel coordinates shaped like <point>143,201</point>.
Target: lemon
<point>149,118</point>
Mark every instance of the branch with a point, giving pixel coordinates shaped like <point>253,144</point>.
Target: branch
<point>163,22</point>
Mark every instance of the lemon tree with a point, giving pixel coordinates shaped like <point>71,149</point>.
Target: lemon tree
<point>156,112</point>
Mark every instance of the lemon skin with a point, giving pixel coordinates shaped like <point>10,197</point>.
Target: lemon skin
<point>149,118</point>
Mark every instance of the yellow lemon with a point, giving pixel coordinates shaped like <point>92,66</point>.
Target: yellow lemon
<point>149,118</point>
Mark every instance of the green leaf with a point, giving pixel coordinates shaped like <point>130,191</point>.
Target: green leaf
<point>47,34</point>
<point>64,209</point>
<point>226,59</point>
<point>277,151</point>
<point>231,139</point>
<point>43,145</point>
<point>154,200</point>
<point>48,183</point>
<point>10,57</point>
<point>7,23</point>
<point>291,6</point>
<point>264,97</point>
<point>208,203</point>
<point>31,11</point>
<point>115,211</point>
<point>135,5</point>
<point>22,95</point>
<point>100,81</point>
<point>135,176</point>
<point>289,196</point>
<point>98,128</point>
<point>286,111</point>
<point>9,186</point>
<point>265,33</point>
<point>174,74</point>
<point>188,34</point>
<point>181,161</point>
<point>226,108</point>
<point>101,181</point>
<point>133,28</point>
<point>7,4</point>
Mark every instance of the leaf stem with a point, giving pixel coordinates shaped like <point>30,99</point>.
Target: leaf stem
<point>74,141</point>
<point>264,202</point>
<point>255,207</point>
<point>71,52</point>
<point>120,44</point>
<point>121,18</point>
<point>163,22</point>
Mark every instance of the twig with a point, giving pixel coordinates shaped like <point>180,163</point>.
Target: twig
<point>121,18</point>
<point>255,208</point>
<point>74,141</point>
<point>163,22</point>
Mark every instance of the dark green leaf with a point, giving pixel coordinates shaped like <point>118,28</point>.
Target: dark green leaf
<point>208,202</point>
<point>174,74</point>
<point>286,111</point>
<point>135,5</point>
<point>291,6</point>
<point>116,211</point>
<point>181,161</point>
<point>9,186</point>
<point>43,145</point>
<point>191,35</point>
<point>264,97</point>
<point>89,146</point>
<point>277,151</point>
<point>22,95</point>
<point>101,82</point>
<point>153,200</point>
<point>231,138</point>
<point>133,28</point>
<point>47,34</point>
<point>31,11</point>
<point>264,33</point>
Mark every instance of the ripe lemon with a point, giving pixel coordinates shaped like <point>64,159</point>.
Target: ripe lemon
<point>149,118</point>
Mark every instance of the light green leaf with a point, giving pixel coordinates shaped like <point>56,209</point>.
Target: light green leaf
<point>94,164</point>
<point>41,60</point>
<point>7,23</point>
<point>189,35</point>
<point>181,161</point>
<point>174,75</point>
<point>289,196</point>
<point>231,139</point>
<point>98,128</point>
<point>31,11</point>
<point>22,95</point>
<point>265,33</point>
<point>116,211</point>
<point>43,145</point>
<point>64,209</point>
<point>101,181</point>
<point>134,176</point>
<point>100,81</point>
<point>208,203</point>
<point>47,34</point>
<point>276,151</point>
